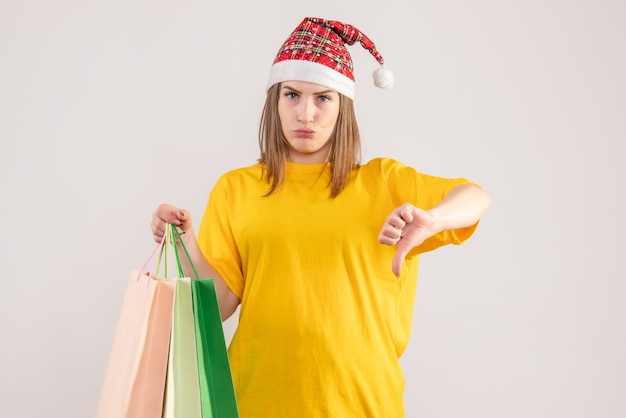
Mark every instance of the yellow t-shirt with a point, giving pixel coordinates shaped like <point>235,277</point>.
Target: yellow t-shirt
<point>323,319</point>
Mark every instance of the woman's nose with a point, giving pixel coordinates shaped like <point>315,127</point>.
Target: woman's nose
<point>306,112</point>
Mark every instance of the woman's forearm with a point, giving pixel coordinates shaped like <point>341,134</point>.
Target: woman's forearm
<point>462,207</point>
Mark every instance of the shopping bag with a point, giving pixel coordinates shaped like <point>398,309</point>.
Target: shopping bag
<point>182,395</point>
<point>217,392</point>
<point>134,382</point>
<point>216,383</point>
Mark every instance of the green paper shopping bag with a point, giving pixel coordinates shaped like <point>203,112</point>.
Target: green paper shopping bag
<point>182,394</point>
<point>216,382</point>
<point>217,392</point>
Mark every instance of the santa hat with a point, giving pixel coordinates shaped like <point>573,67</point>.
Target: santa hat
<point>316,52</point>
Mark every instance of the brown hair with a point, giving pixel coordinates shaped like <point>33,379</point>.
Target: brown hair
<point>345,151</point>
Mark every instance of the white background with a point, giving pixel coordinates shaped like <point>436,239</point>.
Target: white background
<point>109,108</point>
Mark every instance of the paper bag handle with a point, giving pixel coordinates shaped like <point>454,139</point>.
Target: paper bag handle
<point>177,238</point>
<point>151,256</point>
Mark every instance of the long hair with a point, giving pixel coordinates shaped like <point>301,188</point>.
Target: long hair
<point>345,149</point>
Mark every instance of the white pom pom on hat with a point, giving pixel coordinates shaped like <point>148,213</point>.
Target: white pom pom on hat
<point>383,78</point>
<point>316,52</point>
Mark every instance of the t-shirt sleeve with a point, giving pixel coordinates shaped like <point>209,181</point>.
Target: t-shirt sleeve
<point>216,239</point>
<point>424,191</point>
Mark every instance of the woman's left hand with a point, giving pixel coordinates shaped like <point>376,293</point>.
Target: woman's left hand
<point>406,227</point>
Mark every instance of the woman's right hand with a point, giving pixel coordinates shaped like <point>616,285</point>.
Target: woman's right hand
<point>182,220</point>
<point>166,213</point>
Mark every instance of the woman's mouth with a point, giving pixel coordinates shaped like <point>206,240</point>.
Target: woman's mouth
<point>304,133</point>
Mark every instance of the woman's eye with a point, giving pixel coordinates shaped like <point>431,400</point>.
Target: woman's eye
<point>324,98</point>
<point>291,95</point>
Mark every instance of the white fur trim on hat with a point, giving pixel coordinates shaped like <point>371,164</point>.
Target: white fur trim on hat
<point>300,70</point>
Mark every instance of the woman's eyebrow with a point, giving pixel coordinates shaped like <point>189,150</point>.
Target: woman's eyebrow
<point>315,93</point>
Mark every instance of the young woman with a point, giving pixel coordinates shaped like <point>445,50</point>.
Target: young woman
<point>320,250</point>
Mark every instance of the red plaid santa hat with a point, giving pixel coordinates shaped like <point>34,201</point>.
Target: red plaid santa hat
<point>316,52</point>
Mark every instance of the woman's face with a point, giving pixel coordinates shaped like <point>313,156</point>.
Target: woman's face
<point>308,113</point>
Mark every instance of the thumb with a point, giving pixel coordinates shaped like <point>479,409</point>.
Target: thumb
<point>182,215</point>
<point>398,260</point>
<point>184,219</point>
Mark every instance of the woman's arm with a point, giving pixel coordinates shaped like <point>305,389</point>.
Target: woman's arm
<point>409,226</point>
<point>463,206</point>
